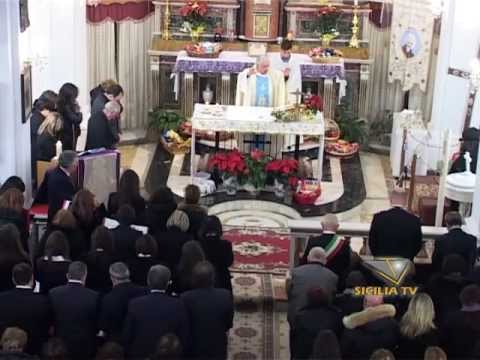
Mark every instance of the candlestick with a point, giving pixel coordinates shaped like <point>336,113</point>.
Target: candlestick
<point>166,22</point>
<point>354,42</point>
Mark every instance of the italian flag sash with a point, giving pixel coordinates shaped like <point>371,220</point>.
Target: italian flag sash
<point>333,247</point>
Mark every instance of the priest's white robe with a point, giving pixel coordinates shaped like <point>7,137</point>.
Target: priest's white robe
<point>246,89</point>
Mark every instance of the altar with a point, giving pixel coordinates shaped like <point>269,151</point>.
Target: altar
<point>255,120</point>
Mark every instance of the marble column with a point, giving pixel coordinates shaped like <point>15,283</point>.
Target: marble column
<point>329,98</point>
<point>155,83</point>
<point>363,91</point>
<point>187,94</point>
<point>225,89</point>
<point>14,136</point>
<point>159,9</point>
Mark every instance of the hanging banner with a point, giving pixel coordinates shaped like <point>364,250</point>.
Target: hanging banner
<point>410,43</point>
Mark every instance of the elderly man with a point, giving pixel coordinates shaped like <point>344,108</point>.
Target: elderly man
<point>304,277</point>
<point>336,247</point>
<point>103,130</point>
<point>151,316</point>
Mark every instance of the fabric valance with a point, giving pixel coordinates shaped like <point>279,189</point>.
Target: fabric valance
<point>118,10</point>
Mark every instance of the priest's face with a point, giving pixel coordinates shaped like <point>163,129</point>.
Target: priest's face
<point>263,66</point>
<point>285,55</point>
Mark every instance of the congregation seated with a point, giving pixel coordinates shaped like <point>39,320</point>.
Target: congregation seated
<point>11,253</point>
<point>52,267</point>
<point>370,329</point>
<point>196,212</point>
<point>337,248</point>
<point>210,314</point>
<point>151,316</point>
<point>99,259</point>
<point>12,212</point>
<point>161,206</point>
<point>218,251</point>
<point>171,241</point>
<point>22,308</point>
<point>192,254</point>
<point>456,241</point>
<point>124,237</point>
<point>128,194</point>
<point>316,316</point>
<point>145,257</point>
<point>115,303</point>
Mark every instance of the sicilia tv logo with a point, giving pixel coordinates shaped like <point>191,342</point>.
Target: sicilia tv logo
<point>391,271</point>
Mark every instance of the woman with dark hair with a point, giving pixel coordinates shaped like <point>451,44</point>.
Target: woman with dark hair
<point>86,212</point>
<point>42,107</point>
<point>218,251</point>
<point>12,212</point>
<point>192,254</point>
<point>51,270</point>
<point>99,259</point>
<point>13,182</point>
<point>11,253</point>
<point>145,257</point>
<point>326,346</point>
<point>318,315</point>
<point>69,109</point>
<point>161,206</point>
<point>128,194</point>
<point>191,205</point>
<point>65,222</point>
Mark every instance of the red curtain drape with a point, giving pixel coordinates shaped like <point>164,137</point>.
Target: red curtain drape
<point>118,10</point>
<point>381,14</point>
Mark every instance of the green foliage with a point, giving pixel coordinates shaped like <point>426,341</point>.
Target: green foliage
<point>352,128</point>
<point>256,162</point>
<point>381,129</point>
<point>162,120</point>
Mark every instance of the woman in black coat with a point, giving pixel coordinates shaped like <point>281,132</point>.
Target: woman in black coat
<point>72,117</point>
<point>192,254</point>
<point>12,212</point>
<point>47,137</point>
<point>99,259</point>
<point>52,267</point>
<point>145,257</point>
<point>11,253</point>
<point>218,251</point>
<point>161,206</point>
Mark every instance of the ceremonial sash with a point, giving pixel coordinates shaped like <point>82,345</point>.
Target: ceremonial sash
<point>333,247</point>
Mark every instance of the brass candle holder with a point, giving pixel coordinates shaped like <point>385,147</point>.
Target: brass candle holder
<point>354,42</point>
<point>166,22</point>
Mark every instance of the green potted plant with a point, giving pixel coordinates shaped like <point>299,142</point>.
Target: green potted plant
<point>256,162</point>
<point>162,121</point>
<point>351,128</point>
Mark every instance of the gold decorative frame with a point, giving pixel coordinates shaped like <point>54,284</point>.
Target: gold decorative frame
<point>261,25</point>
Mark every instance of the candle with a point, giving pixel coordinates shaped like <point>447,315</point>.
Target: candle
<point>356,2</point>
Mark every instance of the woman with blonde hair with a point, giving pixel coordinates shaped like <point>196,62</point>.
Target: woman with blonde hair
<point>417,328</point>
<point>12,212</point>
<point>47,136</point>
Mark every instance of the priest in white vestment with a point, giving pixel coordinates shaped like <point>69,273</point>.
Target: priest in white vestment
<point>261,86</point>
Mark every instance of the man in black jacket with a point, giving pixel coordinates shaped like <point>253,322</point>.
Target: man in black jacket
<point>103,131</point>
<point>22,308</point>
<point>57,187</point>
<point>395,233</point>
<point>154,315</point>
<point>75,309</point>
<point>210,313</point>
<point>456,241</point>
<point>115,303</point>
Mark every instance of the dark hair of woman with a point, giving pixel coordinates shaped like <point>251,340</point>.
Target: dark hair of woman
<point>211,229</point>
<point>168,347</point>
<point>454,264</point>
<point>192,254</point>
<point>326,346</point>
<point>192,194</point>
<point>57,245</point>
<point>102,239</point>
<point>67,96</point>
<point>129,187</point>
<point>64,219</point>
<point>12,199</point>
<point>146,245</point>
<point>162,195</point>
<point>83,206</point>
<point>54,349</point>
<point>13,182</point>
<point>10,245</point>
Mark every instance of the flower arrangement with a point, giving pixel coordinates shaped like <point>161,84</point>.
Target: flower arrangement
<point>282,168</point>
<point>256,162</point>
<point>194,21</point>
<point>231,163</point>
<point>327,23</point>
<point>321,52</point>
<point>314,103</point>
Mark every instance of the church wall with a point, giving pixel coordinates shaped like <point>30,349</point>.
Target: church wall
<point>14,136</point>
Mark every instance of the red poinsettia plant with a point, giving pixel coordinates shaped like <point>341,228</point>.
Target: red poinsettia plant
<point>230,163</point>
<point>314,103</point>
<point>282,167</point>
<point>193,14</point>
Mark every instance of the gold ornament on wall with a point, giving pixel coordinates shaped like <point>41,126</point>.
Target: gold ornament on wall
<point>354,42</point>
<point>166,22</point>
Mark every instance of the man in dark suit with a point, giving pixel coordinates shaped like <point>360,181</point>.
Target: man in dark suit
<point>395,233</point>
<point>154,315</point>
<point>115,303</point>
<point>103,131</point>
<point>22,308</point>
<point>456,241</point>
<point>210,313</point>
<point>304,277</point>
<point>75,311</point>
<point>57,187</point>
<point>336,247</point>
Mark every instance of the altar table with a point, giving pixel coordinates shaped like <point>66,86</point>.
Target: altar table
<point>250,119</point>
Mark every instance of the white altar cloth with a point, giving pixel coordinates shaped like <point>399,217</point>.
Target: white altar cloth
<point>250,119</point>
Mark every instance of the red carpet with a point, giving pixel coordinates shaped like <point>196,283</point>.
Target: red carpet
<point>264,251</point>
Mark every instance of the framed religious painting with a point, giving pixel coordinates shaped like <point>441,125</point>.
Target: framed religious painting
<point>261,25</point>
<point>26,91</point>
